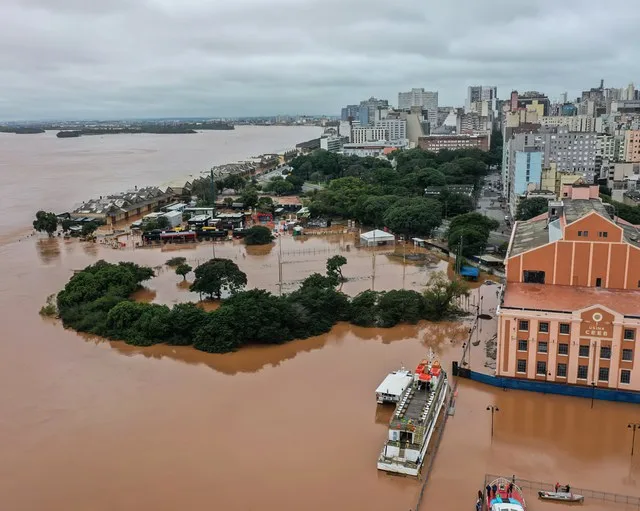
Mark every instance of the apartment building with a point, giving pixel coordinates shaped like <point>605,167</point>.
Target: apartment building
<point>436,143</point>
<point>632,146</point>
<point>570,310</point>
<point>396,128</point>
<point>367,134</point>
<point>574,152</point>
<point>577,123</point>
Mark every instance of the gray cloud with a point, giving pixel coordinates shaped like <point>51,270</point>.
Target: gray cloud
<point>116,58</point>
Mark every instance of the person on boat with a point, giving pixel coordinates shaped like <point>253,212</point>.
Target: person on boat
<point>479,504</point>
<point>510,490</point>
<point>494,488</point>
<point>488,488</point>
<point>568,489</point>
<point>557,487</point>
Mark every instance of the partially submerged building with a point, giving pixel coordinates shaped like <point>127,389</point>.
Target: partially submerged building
<point>111,209</point>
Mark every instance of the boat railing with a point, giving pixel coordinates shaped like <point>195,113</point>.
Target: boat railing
<point>585,492</point>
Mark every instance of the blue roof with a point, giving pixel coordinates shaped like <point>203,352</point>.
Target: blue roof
<point>469,271</point>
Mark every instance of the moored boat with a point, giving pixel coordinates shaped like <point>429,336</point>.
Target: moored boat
<point>504,495</point>
<point>393,386</point>
<point>560,496</point>
<point>414,420</point>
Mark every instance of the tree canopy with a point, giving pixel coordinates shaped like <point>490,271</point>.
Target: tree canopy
<point>183,270</point>
<point>217,276</point>
<point>97,300</point>
<point>46,222</point>
<point>414,217</point>
<point>529,208</point>
<point>472,229</point>
<point>258,235</point>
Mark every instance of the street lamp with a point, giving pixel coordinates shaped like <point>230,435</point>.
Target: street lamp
<point>633,426</point>
<point>493,409</point>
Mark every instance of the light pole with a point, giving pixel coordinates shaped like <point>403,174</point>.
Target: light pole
<point>493,409</point>
<point>633,426</point>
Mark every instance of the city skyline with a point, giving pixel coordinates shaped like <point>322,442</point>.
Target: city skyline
<point>166,58</point>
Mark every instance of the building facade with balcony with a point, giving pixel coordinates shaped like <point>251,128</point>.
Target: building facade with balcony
<point>570,310</point>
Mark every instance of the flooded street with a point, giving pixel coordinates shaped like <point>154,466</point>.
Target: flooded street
<point>88,424</point>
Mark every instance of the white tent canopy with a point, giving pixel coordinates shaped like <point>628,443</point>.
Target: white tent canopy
<point>376,237</point>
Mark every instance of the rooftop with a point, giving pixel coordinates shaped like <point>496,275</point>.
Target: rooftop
<point>534,233</point>
<point>126,201</point>
<point>570,298</point>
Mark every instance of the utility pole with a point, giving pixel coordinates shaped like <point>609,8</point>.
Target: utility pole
<point>404,261</point>
<point>633,426</point>
<point>373,263</point>
<point>213,195</point>
<point>280,265</point>
<point>493,409</point>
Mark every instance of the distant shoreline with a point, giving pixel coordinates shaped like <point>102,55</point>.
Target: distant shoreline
<point>153,130</point>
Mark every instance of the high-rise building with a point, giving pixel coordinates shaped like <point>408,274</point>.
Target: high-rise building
<point>632,146</point>
<point>368,109</point>
<point>396,128</point>
<point>427,100</point>
<point>350,112</point>
<point>478,93</point>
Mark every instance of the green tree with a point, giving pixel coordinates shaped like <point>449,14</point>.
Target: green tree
<point>334,267</point>
<point>217,276</point>
<point>455,203</point>
<point>370,210</point>
<point>175,261</point>
<point>185,320</point>
<point>89,228</point>
<point>183,270</point>
<point>364,310</point>
<point>249,197</point>
<point>440,296</point>
<point>472,230</point>
<point>218,334</point>
<point>414,217</point>
<point>228,201</point>
<point>399,306</point>
<point>258,235</point>
<point>162,222</point>
<point>529,208</point>
<point>265,204</point>
<point>45,222</point>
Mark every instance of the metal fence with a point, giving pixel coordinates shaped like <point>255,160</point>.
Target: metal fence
<point>587,493</point>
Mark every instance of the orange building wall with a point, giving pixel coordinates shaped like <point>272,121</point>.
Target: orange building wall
<point>599,267</point>
<point>563,263</point>
<point>541,259</point>
<point>580,275</point>
<point>593,224</point>
<point>633,275</point>
<point>617,265</point>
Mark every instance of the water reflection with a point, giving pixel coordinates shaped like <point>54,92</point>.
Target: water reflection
<point>144,295</point>
<point>48,249</point>
<point>90,248</point>
<point>251,359</point>
<point>259,250</point>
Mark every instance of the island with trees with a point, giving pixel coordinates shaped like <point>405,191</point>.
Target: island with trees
<point>97,300</point>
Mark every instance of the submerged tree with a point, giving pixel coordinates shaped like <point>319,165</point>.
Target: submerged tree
<point>218,275</point>
<point>46,222</point>
<point>334,267</point>
<point>183,270</point>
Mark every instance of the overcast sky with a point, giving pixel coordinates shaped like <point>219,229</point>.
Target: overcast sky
<point>131,58</point>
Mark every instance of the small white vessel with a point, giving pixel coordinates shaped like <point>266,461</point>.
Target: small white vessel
<point>393,386</point>
<point>560,496</point>
<point>414,419</point>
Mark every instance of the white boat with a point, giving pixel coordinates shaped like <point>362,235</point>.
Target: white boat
<point>393,386</point>
<point>560,496</point>
<point>414,420</point>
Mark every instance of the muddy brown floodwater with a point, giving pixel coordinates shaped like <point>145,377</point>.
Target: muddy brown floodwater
<point>93,425</point>
<point>90,424</point>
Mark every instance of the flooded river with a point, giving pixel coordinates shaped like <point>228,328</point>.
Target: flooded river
<point>93,425</point>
